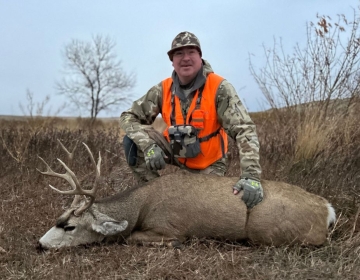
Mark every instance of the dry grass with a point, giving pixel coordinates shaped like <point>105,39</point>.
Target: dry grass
<point>29,207</point>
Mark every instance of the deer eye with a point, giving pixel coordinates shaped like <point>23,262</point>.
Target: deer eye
<point>69,228</point>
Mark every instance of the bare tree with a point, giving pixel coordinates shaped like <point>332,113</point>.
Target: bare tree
<point>326,69</point>
<point>95,80</point>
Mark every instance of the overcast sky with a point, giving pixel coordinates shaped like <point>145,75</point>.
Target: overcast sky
<point>34,33</point>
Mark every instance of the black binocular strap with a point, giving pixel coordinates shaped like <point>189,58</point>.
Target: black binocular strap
<point>207,137</point>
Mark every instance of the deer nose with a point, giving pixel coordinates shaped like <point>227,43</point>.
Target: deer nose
<point>40,248</point>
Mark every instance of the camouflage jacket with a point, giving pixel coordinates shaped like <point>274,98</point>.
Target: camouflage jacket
<point>231,113</point>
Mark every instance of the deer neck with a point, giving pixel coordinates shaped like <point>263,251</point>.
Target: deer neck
<point>127,206</point>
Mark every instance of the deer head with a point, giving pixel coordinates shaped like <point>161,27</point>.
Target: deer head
<point>77,225</point>
<point>71,178</point>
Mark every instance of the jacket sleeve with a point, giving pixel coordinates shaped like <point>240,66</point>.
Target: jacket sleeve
<point>141,114</point>
<point>237,123</point>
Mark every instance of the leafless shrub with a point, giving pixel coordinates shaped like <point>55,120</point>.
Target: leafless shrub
<point>314,98</point>
<point>33,123</point>
<point>324,71</point>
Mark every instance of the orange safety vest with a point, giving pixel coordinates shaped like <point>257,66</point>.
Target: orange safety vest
<point>204,119</point>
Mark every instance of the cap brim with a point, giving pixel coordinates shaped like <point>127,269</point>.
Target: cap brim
<point>169,53</point>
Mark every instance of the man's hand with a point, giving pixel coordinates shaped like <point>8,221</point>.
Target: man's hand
<point>154,157</point>
<point>253,191</point>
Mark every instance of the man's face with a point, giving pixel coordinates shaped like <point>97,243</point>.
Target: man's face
<point>187,63</point>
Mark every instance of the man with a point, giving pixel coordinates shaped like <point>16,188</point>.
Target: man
<point>200,109</point>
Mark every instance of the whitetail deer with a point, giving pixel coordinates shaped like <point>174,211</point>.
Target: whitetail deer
<point>178,206</point>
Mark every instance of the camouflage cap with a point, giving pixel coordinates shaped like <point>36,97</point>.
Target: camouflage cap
<point>184,39</point>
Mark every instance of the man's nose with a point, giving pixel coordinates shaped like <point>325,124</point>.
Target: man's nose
<point>186,56</point>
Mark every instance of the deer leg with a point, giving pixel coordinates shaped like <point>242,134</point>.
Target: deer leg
<point>150,238</point>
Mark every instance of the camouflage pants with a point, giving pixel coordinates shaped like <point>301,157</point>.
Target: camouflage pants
<point>135,159</point>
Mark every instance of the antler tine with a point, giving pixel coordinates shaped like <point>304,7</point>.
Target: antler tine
<point>65,176</point>
<point>69,176</point>
<point>97,166</point>
<point>50,172</point>
<point>84,207</point>
<point>77,190</point>
<point>69,154</point>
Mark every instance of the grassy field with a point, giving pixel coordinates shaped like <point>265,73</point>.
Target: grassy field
<point>320,155</point>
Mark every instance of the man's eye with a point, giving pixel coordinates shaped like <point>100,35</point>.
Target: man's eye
<point>178,53</point>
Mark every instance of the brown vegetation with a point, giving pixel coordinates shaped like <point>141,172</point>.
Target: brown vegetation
<point>322,157</point>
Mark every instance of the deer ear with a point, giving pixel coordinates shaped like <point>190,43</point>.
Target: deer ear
<point>110,227</point>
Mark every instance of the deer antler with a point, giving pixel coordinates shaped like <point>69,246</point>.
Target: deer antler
<point>70,177</point>
<point>70,155</point>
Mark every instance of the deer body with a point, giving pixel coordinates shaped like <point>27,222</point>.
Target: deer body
<point>178,206</point>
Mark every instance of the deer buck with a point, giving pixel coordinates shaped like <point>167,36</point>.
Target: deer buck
<point>175,207</point>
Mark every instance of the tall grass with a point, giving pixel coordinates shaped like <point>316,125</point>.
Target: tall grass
<point>328,164</point>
